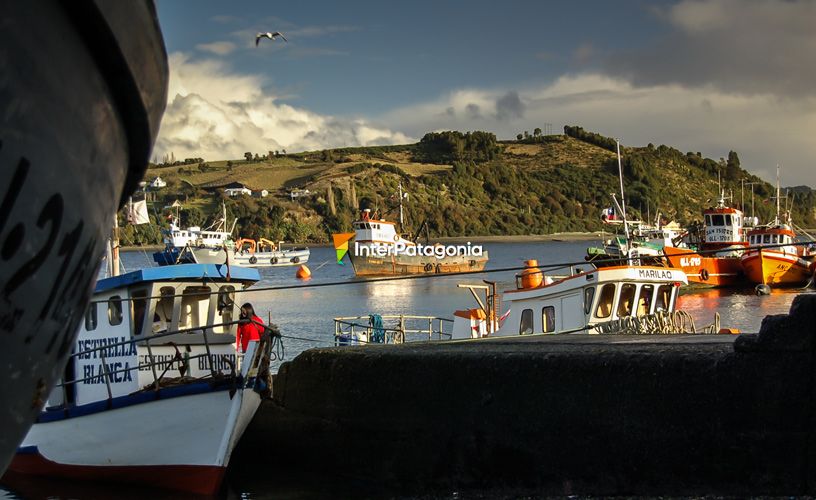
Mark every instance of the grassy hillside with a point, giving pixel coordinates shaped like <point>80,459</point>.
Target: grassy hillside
<point>461,185</point>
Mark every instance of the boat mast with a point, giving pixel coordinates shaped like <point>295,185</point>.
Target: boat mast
<point>777,195</point>
<point>400,206</point>
<point>113,262</point>
<point>623,200</point>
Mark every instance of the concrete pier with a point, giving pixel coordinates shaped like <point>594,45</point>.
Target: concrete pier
<point>558,414</point>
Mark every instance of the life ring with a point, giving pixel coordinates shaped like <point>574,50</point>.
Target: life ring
<point>273,260</point>
<point>428,267</point>
<point>253,260</point>
<point>295,260</point>
<point>704,274</point>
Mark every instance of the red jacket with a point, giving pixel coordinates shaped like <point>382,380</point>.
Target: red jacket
<point>249,332</point>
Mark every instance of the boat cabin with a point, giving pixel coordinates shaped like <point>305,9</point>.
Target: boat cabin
<point>372,232</point>
<point>183,319</point>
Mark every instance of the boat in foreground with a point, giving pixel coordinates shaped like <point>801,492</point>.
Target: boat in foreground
<point>154,392</point>
<point>79,111</point>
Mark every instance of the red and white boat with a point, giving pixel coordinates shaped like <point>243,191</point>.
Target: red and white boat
<point>153,393</point>
<point>716,263</point>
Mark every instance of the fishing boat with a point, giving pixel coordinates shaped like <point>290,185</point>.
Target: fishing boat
<point>772,258</point>
<point>266,253</point>
<point>716,260</point>
<point>79,112</point>
<point>153,392</point>
<point>614,299</point>
<point>378,250</point>
<point>179,242</point>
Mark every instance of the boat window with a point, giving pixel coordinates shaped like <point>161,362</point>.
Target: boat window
<point>766,238</point>
<point>589,294</point>
<point>718,220</point>
<point>138,310</point>
<point>728,219</point>
<point>708,220</point>
<point>163,313</point>
<point>115,310</point>
<point>548,319</point>
<point>526,325</point>
<point>90,318</point>
<point>627,299</point>
<point>226,309</point>
<point>663,298</point>
<point>773,239</point>
<point>195,301</point>
<point>644,304</point>
<point>604,309</point>
<point>737,220</point>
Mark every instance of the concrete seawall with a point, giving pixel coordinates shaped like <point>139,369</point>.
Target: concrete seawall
<point>601,415</point>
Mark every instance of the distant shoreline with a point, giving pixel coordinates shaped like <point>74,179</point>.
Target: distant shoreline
<point>516,238</point>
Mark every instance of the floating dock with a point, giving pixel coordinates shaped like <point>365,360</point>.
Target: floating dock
<point>557,414</point>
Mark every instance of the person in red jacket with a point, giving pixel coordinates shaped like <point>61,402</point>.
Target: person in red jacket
<point>249,330</point>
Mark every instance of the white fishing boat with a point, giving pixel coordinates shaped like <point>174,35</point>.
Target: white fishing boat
<point>594,301</point>
<point>178,242</point>
<point>154,392</point>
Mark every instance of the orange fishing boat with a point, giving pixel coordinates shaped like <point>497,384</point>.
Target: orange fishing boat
<point>773,259</point>
<point>716,262</point>
<point>782,263</point>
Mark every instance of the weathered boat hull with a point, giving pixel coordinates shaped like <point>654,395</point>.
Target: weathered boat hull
<point>772,268</point>
<point>706,271</point>
<point>278,258</point>
<point>407,265</point>
<point>79,110</point>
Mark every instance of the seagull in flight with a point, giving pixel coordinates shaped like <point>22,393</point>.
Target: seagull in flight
<point>270,36</point>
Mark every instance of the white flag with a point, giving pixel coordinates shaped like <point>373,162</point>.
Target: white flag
<point>138,213</point>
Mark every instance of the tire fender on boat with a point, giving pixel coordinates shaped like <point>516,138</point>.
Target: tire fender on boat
<point>428,267</point>
<point>704,274</point>
<point>273,260</point>
<point>253,260</point>
<point>295,260</point>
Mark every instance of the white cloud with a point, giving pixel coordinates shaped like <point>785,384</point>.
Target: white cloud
<point>216,114</point>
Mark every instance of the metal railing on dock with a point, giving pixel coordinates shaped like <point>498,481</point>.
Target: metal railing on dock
<point>389,329</point>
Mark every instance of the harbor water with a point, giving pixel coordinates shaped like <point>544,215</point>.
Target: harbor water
<point>304,312</point>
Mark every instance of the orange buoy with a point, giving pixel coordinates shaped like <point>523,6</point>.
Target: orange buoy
<point>303,272</point>
<point>531,277</point>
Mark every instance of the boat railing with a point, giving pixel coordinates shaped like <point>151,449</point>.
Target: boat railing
<point>182,361</point>
<point>389,329</point>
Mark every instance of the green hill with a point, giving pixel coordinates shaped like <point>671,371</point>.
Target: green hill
<point>461,185</point>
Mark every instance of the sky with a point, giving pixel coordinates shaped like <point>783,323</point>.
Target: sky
<point>707,76</point>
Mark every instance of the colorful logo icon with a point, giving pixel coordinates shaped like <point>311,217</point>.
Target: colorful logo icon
<point>341,243</point>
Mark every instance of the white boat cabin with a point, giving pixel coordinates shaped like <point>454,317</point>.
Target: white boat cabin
<point>370,232</point>
<point>194,236</point>
<point>197,301</point>
<point>578,302</point>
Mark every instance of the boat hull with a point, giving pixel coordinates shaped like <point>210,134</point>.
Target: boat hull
<point>187,449</point>
<point>706,271</point>
<point>78,114</point>
<point>776,269</point>
<point>409,265</point>
<point>279,258</point>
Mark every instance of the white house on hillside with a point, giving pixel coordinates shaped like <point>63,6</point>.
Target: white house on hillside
<point>232,192</point>
<point>157,183</point>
